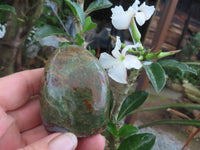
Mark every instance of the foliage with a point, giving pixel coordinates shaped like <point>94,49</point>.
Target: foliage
<point>131,102</point>
<point>48,30</point>
<point>8,8</point>
<point>97,5</point>
<point>77,11</point>
<point>156,75</point>
<point>48,17</point>
<point>143,141</point>
<point>4,13</point>
<point>55,14</point>
<point>89,25</point>
<point>178,76</point>
<point>192,47</point>
<point>120,136</point>
<point>5,9</point>
<point>189,51</point>
<point>126,135</point>
<point>178,65</point>
<point>68,19</point>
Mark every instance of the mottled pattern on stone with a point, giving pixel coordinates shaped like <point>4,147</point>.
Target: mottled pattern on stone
<point>75,93</point>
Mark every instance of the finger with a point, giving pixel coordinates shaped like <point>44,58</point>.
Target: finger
<point>10,137</point>
<point>95,142</point>
<point>45,139</point>
<point>17,88</point>
<point>55,141</point>
<point>27,116</point>
<point>34,134</point>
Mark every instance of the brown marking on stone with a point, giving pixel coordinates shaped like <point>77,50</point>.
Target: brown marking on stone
<point>88,104</point>
<point>99,130</point>
<point>55,82</point>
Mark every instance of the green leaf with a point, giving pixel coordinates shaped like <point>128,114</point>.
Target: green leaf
<point>186,106</point>
<point>64,44</point>
<point>89,24</point>
<point>79,39</point>
<point>127,130</point>
<point>143,141</point>
<point>195,123</point>
<point>94,53</point>
<point>8,8</point>
<point>156,75</point>
<point>112,128</point>
<point>48,30</point>
<point>170,63</point>
<point>131,103</point>
<point>98,4</point>
<point>20,19</point>
<point>77,11</point>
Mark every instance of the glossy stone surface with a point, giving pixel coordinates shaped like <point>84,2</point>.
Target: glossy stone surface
<point>75,93</point>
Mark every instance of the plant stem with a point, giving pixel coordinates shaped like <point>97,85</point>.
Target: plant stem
<point>121,91</point>
<point>55,13</point>
<point>111,141</point>
<point>78,24</point>
<point>81,3</point>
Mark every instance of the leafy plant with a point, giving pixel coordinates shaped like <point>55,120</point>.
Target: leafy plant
<point>126,137</point>
<point>190,73</point>
<point>133,58</point>
<point>5,9</point>
<point>82,25</point>
<point>8,8</point>
<point>123,103</point>
<point>184,122</point>
<point>192,47</point>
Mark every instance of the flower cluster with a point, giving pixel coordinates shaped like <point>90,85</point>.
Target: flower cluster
<point>121,19</point>
<point>118,64</point>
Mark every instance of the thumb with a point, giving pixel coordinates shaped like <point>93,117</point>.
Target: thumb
<point>55,141</point>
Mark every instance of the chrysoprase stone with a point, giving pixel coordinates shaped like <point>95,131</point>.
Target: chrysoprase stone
<point>75,93</point>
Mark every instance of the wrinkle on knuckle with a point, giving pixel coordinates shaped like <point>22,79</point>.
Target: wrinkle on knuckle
<point>6,122</point>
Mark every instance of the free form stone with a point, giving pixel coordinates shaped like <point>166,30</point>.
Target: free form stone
<point>75,93</point>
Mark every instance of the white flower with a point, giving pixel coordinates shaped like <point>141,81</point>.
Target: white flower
<point>121,19</point>
<point>117,66</point>
<point>144,13</point>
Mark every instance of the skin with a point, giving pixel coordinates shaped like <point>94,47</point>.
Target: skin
<point>20,121</point>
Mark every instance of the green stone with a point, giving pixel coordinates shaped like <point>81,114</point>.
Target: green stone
<point>75,93</point>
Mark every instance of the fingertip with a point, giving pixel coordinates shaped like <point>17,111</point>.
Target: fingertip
<point>66,141</point>
<point>54,141</point>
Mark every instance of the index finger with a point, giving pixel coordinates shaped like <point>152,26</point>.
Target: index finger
<point>16,89</point>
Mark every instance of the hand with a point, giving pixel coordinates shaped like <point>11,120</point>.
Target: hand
<point>20,121</point>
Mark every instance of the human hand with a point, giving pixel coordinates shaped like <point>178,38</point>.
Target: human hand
<point>20,121</point>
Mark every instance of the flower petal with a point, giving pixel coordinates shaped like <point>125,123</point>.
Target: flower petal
<point>118,73</point>
<point>147,10</point>
<point>121,19</point>
<point>140,18</point>
<point>132,61</point>
<point>106,60</point>
<point>125,49</point>
<point>135,5</point>
<point>115,52</point>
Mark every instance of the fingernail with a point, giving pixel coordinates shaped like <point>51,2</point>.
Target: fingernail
<point>66,141</point>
